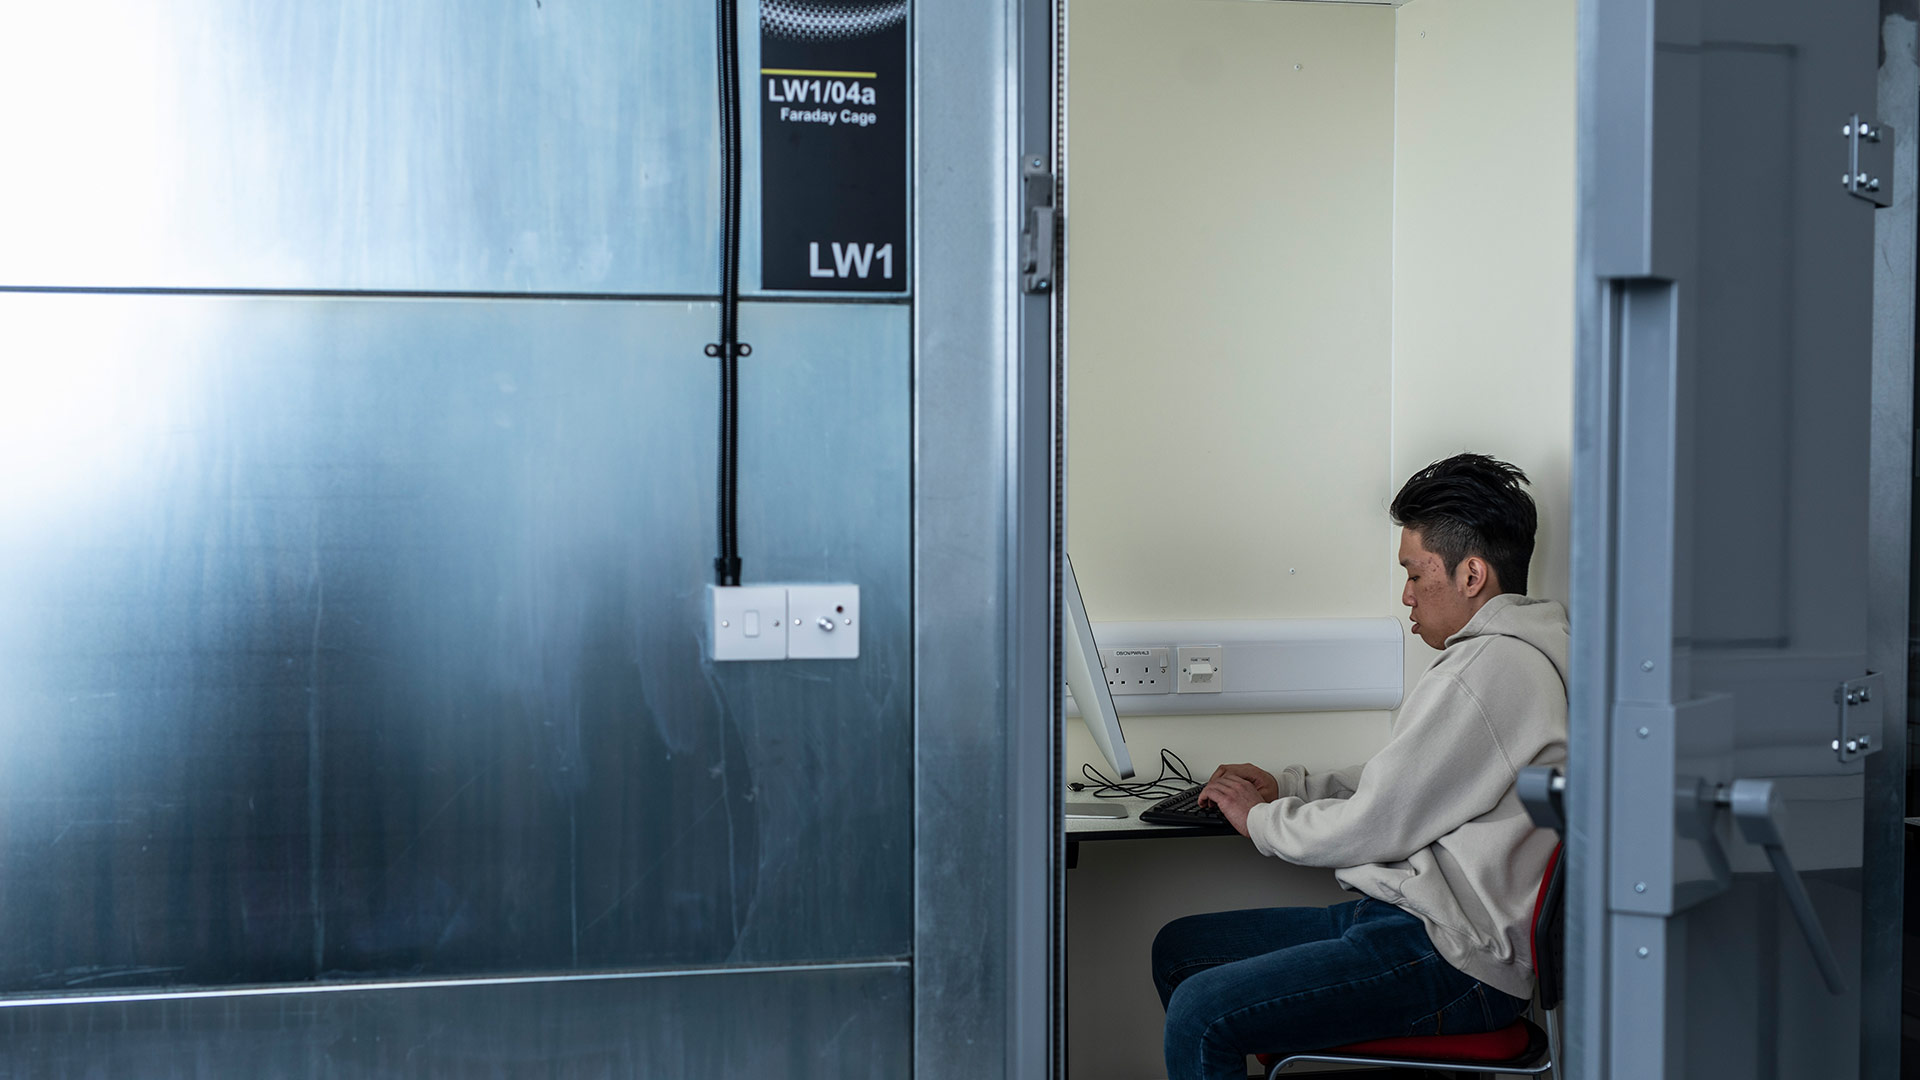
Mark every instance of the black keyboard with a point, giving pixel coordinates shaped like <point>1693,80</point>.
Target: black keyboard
<point>1184,809</point>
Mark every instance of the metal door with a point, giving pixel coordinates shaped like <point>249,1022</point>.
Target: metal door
<point>1724,708</point>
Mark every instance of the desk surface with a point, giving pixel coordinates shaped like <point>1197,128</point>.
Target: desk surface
<point>1132,828</point>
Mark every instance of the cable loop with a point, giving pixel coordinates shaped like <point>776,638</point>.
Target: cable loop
<point>1174,778</point>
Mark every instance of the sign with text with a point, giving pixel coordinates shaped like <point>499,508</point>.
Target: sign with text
<point>833,146</point>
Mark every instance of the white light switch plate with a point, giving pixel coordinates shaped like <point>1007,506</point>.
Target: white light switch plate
<point>823,622</point>
<point>747,622</point>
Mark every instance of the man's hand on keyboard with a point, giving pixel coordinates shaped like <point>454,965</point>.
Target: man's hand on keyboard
<point>1261,779</point>
<point>1234,795</point>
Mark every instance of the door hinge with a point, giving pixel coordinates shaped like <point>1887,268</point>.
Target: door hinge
<point>1860,724</point>
<point>1869,173</point>
<point>1037,238</point>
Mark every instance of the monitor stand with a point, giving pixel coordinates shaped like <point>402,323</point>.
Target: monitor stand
<point>1107,810</point>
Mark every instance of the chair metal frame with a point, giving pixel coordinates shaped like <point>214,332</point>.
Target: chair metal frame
<point>1546,1053</point>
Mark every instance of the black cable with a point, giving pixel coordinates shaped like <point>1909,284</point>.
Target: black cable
<point>1174,778</point>
<point>729,350</point>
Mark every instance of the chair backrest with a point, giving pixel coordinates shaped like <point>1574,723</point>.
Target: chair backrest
<point>1550,930</point>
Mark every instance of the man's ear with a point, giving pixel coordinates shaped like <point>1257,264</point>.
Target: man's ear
<point>1477,575</point>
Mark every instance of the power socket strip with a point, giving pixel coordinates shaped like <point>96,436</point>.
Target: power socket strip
<point>1138,671</point>
<point>1258,665</point>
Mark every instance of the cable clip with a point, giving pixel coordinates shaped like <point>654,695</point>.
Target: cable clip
<point>740,348</point>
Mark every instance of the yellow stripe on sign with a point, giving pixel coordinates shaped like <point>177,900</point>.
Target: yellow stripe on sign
<point>823,74</point>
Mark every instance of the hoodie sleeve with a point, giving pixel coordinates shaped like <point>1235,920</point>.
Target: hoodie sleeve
<point>1443,767</point>
<point>1296,781</point>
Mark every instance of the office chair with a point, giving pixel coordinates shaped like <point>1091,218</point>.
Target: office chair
<point>1519,1049</point>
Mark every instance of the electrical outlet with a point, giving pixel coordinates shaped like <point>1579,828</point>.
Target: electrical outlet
<point>1200,669</point>
<point>747,622</point>
<point>1138,671</point>
<point>823,622</point>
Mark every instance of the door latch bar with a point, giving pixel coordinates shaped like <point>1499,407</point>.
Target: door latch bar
<point>1037,238</point>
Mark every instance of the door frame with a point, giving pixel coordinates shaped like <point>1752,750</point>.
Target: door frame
<point>987,838</point>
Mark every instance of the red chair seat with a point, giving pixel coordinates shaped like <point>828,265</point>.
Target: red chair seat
<point>1492,1047</point>
<point>1503,1045</point>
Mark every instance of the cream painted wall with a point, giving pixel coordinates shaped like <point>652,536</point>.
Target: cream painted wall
<point>1296,273</point>
<point>1229,287</point>
<point>1230,170</point>
<point>1483,249</point>
<point>1230,330</point>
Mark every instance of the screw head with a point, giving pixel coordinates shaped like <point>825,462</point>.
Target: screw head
<point>1865,694</point>
<point>1639,886</point>
<point>1641,952</point>
<point>1836,744</point>
<point>1853,746</point>
<point>1642,733</point>
<point>1646,665</point>
<point>724,624</point>
<point>1866,742</point>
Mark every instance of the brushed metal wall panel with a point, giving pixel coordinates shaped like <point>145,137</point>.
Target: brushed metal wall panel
<point>434,145</point>
<point>348,639</point>
<point>849,1023</point>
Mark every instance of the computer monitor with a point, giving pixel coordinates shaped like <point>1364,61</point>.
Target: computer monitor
<point>1087,679</point>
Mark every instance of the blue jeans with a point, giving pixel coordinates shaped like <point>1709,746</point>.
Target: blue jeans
<point>1285,980</point>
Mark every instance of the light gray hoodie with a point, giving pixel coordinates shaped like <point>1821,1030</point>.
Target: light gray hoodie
<point>1433,822</point>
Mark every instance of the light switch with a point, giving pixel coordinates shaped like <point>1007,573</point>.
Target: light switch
<point>747,622</point>
<point>823,622</point>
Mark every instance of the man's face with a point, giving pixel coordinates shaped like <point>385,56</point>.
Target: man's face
<point>1440,603</point>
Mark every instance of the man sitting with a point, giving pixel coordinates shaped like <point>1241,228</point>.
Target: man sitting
<point>1430,831</point>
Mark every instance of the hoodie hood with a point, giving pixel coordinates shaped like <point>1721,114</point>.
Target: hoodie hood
<point>1540,623</point>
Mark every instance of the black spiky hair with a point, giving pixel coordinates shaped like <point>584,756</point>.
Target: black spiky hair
<point>1472,504</point>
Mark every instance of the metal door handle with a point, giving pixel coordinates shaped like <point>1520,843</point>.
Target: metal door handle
<point>1542,788</point>
<point>1759,811</point>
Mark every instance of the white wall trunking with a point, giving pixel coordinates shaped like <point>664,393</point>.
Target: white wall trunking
<point>1252,665</point>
